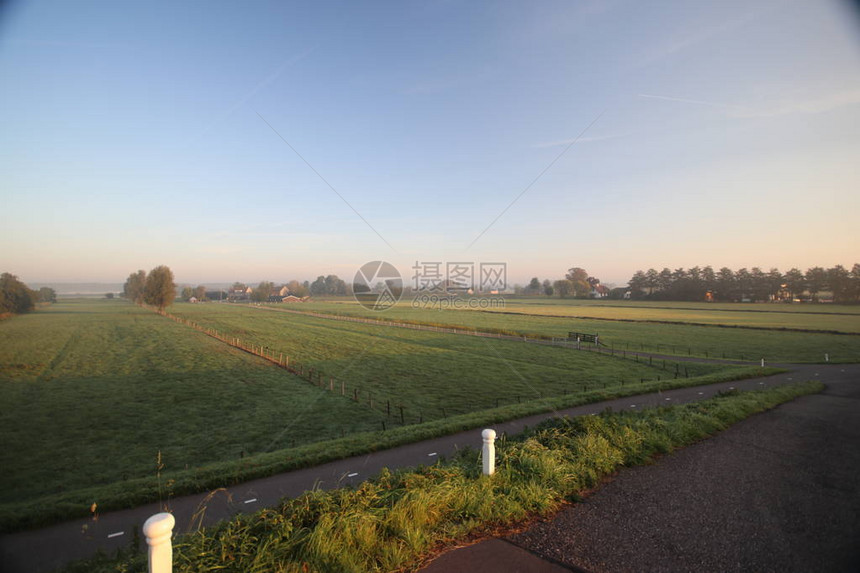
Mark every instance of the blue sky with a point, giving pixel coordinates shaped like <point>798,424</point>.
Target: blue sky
<point>137,134</point>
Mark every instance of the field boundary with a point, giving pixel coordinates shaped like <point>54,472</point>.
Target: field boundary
<point>679,322</point>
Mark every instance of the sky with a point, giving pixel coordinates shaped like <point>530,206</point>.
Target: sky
<point>277,140</point>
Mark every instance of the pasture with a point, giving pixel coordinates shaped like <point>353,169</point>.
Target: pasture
<point>95,391</point>
<point>739,331</point>
<point>432,375</point>
<point>92,391</point>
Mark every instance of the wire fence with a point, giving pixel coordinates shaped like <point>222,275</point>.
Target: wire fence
<point>397,413</point>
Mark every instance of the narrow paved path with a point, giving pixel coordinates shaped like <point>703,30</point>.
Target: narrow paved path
<point>45,549</point>
<point>777,492</point>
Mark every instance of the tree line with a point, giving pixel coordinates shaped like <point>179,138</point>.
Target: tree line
<point>17,298</point>
<point>577,283</point>
<point>155,288</point>
<point>756,285</point>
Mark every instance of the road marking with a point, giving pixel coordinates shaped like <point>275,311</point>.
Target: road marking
<point>117,534</point>
<point>731,387</point>
<point>789,379</point>
<point>761,383</point>
<point>667,399</point>
<point>816,373</point>
<point>352,475</point>
<point>430,455</point>
<point>701,393</point>
<point>632,405</point>
<point>252,500</point>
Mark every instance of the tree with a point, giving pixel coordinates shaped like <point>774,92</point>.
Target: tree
<point>795,282</point>
<point>666,280</point>
<point>298,289</point>
<point>187,293</point>
<point>839,280</point>
<point>547,288</point>
<point>637,284</point>
<point>200,292</point>
<point>47,294</point>
<point>758,284</point>
<point>816,281</point>
<point>335,286</point>
<point>263,291</point>
<point>134,287</point>
<point>15,297</point>
<point>775,280</point>
<point>578,278</point>
<point>108,295</point>
<point>159,290</point>
<point>854,286</point>
<point>563,288</point>
<point>534,286</point>
<point>726,284</point>
<point>318,286</point>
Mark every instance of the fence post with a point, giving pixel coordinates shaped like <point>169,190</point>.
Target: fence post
<point>488,452</point>
<point>158,529</point>
<point>762,362</point>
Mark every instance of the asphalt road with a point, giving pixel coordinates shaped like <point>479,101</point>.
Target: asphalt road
<point>777,492</point>
<point>45,549</point>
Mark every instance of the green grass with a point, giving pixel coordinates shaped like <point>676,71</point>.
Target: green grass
<point>393,521</point>
<point>432,375</point>
<point>723,338</point>
<point>92,391</point>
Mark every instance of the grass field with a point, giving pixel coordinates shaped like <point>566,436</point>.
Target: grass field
<point>667,333</point>
<point>431,374</point>
<point>92,391</point>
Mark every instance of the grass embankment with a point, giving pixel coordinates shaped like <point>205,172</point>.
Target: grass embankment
<point>670,331</point>
<point>392,522</point>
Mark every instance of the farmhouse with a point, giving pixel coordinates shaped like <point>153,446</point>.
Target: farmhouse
<point>599,291</point>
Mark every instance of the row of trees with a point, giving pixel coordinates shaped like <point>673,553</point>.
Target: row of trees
<point>755,284</point>
<point>330,285</point>
<point>156,288</point>
<point>17,298</point>
<point>576,283</point>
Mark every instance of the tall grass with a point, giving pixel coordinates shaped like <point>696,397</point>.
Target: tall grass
<point>393,521</point>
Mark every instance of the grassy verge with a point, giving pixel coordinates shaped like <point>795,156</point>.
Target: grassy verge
<point>135,492</point>
<point>391,522</point>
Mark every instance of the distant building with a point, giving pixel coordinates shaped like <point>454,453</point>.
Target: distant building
<point>293,298</point>
<point>599,291</point>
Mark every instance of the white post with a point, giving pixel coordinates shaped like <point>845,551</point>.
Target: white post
<point>158,529</point>
<point>488,452</point>
<point>826,357</point>
<point>762,362</point>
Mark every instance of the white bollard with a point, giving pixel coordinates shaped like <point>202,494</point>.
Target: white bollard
<point>762,362</point>
<point>826,357</point>
<point>488,452</point>
<point>158,530</point>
